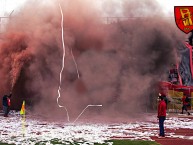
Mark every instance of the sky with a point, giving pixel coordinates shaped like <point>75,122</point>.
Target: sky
<point>169,5</point>
<point>9,5</point>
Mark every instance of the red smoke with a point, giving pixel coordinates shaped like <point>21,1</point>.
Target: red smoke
<point>118,62</point>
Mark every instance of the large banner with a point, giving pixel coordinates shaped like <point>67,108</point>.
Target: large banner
<point>185,69</point>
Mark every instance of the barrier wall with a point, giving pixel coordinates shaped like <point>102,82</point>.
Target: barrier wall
<point>175,93</point>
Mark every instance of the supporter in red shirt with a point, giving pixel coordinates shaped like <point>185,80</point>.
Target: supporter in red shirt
<point>161,115</point>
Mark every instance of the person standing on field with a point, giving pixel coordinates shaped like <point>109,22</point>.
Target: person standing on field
<point>6,104</point>
<point>161,115</point>
<point>185,104</point>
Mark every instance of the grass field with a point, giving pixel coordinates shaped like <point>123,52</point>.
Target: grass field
<point>115,142</point>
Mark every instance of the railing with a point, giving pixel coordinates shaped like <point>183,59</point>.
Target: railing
<point>110,20</point>
<point>105,20</point>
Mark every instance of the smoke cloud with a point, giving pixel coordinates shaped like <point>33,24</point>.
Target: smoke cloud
<point>119,60</point>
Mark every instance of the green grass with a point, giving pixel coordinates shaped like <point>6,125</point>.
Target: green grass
<point>115,142</point>
<point>5,143</point>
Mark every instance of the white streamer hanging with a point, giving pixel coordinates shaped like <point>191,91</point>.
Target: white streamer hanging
<point>85,109</point>
<point>63,58</point>
<point>75,63</point>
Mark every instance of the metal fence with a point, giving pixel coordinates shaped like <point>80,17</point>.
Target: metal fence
<point>110,20</point>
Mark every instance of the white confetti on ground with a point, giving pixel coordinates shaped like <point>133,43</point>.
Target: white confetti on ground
<point>12,130</point>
